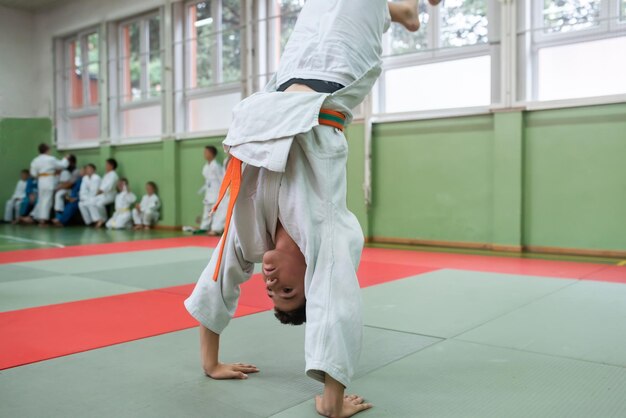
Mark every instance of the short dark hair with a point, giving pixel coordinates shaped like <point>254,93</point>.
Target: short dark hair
<point>112,162</point>
<point>125,180</point>
<point>92,165</point>
<point>154,186</point>
<point>212,149</point>
<point>43,148</point>
<point>25,171</point>
<point>295,317</point>
<point>72,159</point>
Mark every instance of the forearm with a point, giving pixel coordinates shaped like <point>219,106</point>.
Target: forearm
<point>333,397</point>
<point>209,348</point>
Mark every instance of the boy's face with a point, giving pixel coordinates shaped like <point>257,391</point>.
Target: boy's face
<point>283,273</point>
<point>24,176</point>
<point>120,185</point>
<point>149,189</point>
<point>108,167</point>
<point>208,155</point>
<point>89,170</point>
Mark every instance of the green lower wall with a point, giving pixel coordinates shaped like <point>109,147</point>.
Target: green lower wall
<point>19,139</point>
<point>575,178</point>
<point>553,178</point>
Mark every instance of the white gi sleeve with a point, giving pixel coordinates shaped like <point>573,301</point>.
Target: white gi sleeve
<point>213,303</point>
<point>108,182</point>
<point>334,327</point>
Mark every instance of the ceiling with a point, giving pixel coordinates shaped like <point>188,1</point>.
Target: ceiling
<point>32,5</point>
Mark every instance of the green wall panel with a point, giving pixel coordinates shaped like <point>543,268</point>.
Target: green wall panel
<point>19,139</point>
<point>432,180</point>
<point>140,163</point>
<point>191,161</point>
<point>355,135</point>
<point>575,178</point>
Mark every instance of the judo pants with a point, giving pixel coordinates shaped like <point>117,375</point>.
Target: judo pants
<point>94,209</point>
<point>12,209</point>
<point>119,220</point>
<point>147,218</point>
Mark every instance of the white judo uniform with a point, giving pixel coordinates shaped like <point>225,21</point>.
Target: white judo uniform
<point>12,206</point>
<point>295,172</point>
<point>44,168</point>
<point>88,191</point>
<point>148,213</point>
<point>94,208</point>
<point>59,195</point>
<point>213,174</point>
<point>121,218</point>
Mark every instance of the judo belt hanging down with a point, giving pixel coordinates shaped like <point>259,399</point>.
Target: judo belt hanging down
<point>232,179</point>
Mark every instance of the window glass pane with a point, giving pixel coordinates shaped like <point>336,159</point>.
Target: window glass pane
<point>401,41</point>
<point>441,85</point>
<point>562,74</point>
<point>289,10</point>
<point>131,62</point>
<point>75,75</point>
<point>84,128</point>
<point>231,41</point>
<point>201,44</point>
<point>154,63</point>
<point>93,67</point>
<point>141,122</point>
<point>570,15</point>
<point>623,10</point>
<point>464,22</point>
<point>211,113</point>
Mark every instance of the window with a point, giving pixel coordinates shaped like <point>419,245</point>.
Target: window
<point>575,49</point>
<point>566,16</point>
<point>444,65</point>
<point>79,114</point>
<point>140,88</point>
<point>213,58</point>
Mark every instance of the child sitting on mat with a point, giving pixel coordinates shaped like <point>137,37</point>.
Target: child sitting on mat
<point>123,202</point>
<point>146,213</point>
<point>287,175</point>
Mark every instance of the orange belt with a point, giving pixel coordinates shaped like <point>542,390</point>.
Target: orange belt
<point>45,174</point>
<point>232,179</point>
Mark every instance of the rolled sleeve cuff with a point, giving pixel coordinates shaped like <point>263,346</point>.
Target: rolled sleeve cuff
<point>217,324</point>
<point>318,372</point>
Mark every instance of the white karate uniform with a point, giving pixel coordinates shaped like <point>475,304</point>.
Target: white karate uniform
<point>43,167</point>
<point>121,217</point>
<point>59,196</point>
<point>86,195</point>
<point>295,171</point>
<point>97,205</point>
<point>148,214</point>
<point>12,207</point>
<point>213,174</point>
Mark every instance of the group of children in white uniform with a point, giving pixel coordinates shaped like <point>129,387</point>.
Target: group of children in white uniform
<point>59,184</point>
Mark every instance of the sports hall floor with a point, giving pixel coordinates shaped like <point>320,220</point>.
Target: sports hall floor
<point>92,325</point>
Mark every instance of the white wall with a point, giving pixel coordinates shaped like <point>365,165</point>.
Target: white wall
<point>67,19</point>
<point>18,87</point>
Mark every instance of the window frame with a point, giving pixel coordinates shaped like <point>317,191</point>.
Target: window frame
<point>64,112</point>
<point>435,53</point>
<point>88,109</point>
<point>217,87</point>
<point>609,26</point>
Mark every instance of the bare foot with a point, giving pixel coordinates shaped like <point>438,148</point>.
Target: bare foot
<point>43,224</point>
<point>99,224</point>
<point>56,222</point>
<point>434,2</point>
<point>406,14</point>
<point>146,228</point>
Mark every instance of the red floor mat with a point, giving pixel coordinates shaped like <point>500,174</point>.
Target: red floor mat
<point>108,248</point>
<point>36,334</point>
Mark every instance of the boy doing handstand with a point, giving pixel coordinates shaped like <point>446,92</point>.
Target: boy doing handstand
<point>287,176</point>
